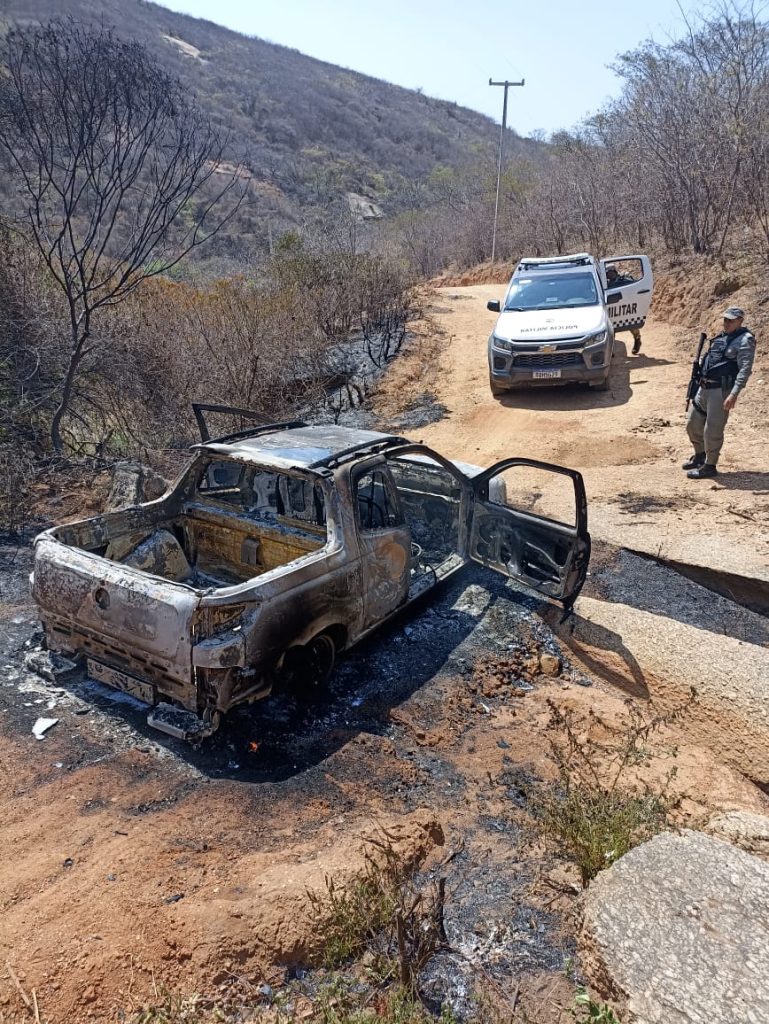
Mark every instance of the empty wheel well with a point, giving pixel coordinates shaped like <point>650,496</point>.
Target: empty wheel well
<point>338,634</point>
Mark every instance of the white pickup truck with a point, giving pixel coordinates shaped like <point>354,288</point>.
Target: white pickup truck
<point>559,317</point>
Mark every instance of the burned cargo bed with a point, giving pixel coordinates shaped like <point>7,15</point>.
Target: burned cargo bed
<point>202,548</point>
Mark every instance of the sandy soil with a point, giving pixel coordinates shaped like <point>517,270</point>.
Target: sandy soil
<point>628,442</point>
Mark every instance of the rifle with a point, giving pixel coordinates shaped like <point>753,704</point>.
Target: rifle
<point>694,382</point>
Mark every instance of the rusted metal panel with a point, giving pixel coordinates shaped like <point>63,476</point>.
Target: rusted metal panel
<point>121,681</point>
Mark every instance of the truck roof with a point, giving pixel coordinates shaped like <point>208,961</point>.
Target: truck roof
<point>304,447</point>
<point>575,259</point>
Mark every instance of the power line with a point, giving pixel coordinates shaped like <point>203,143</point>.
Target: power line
<point>506,86</point>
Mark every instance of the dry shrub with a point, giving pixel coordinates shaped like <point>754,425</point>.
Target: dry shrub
<point>17,472</point>
<point>598,811</point>
<point>382,913</point>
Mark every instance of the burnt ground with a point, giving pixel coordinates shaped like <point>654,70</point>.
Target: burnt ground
<point>136,864</point>
<point>383,744</point>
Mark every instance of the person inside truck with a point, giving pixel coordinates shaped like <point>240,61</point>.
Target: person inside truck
<point>616,280</point>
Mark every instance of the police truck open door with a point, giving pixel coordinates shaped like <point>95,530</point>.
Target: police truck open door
<point>635,296</point>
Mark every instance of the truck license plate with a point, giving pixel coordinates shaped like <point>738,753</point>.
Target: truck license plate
<point>120,681</point>
<point>540,374</point>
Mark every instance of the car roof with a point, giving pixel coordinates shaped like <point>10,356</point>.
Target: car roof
<point>304,447</point>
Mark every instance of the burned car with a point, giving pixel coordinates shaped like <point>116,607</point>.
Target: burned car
<point>280,546</point>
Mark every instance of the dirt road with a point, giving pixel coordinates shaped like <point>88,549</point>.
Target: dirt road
<point>628,442</point>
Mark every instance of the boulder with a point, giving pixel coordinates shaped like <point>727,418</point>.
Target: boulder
<point>743,828</point>
<point>133,483</point>
<point>678,929</point>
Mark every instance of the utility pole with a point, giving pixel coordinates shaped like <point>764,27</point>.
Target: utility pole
<point>506,85</point>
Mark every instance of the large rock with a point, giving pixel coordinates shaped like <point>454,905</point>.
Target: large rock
<point>679,930</point>
<point>743,828</point>
<point>132,484</point>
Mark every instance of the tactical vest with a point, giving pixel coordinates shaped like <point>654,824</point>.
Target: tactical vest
<point>720,365</point>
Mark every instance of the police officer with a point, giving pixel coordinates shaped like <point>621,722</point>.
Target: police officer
<point>616,280</point>
<point>724,372</point>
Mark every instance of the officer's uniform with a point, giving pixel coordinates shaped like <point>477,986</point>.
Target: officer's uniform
<point>725,369</point>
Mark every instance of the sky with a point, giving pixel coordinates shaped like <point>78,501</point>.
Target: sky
<point>450,49</point>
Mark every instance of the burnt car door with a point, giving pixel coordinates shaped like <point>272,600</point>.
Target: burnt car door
<point>529,522</point>
<point>384,541</point>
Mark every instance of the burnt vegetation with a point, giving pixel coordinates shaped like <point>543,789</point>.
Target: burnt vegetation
<point>108,153</point>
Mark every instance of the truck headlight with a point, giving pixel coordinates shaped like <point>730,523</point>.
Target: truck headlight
<point>506,346</point>
<point>596,339</point>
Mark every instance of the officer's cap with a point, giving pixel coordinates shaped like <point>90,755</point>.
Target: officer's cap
<point>734,313</point>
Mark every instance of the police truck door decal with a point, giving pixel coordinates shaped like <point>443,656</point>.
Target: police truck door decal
<point>635,283</point>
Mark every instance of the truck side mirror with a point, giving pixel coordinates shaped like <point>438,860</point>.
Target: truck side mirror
<point>493,305</point>
<point>613,297</point>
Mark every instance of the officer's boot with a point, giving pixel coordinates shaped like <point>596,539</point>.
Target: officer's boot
<point>697,460</point>
<point>703,471</point>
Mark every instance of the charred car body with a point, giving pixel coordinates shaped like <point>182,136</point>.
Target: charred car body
<point>277,548</point>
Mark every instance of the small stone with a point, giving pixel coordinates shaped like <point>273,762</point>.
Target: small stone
<point>549,665</point>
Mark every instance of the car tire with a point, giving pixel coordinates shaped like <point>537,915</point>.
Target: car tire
<point>306,669</point>
<point>600,385</point>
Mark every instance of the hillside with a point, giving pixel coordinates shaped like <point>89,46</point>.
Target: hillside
<point>309,132</point>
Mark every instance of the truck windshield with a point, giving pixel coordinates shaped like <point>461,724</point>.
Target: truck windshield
<point>552,291</point>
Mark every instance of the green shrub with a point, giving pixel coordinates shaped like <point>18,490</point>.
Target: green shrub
<point>595,814</point>
<point>586,1011</point>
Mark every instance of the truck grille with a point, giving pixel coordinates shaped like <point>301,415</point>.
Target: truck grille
<point>549,359</point>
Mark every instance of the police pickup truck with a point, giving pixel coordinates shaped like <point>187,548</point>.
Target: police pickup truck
<point>558,319</point>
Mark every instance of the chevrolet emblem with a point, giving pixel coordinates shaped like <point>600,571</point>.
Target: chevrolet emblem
<point>547,348</point>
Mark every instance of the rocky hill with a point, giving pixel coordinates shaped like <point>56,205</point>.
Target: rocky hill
<point>311,134</point>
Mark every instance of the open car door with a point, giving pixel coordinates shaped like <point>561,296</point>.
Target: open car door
<point>635,287</point>
<point>529,522</point>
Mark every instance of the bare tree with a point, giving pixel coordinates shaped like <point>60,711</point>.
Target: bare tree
<point>119,174</point>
